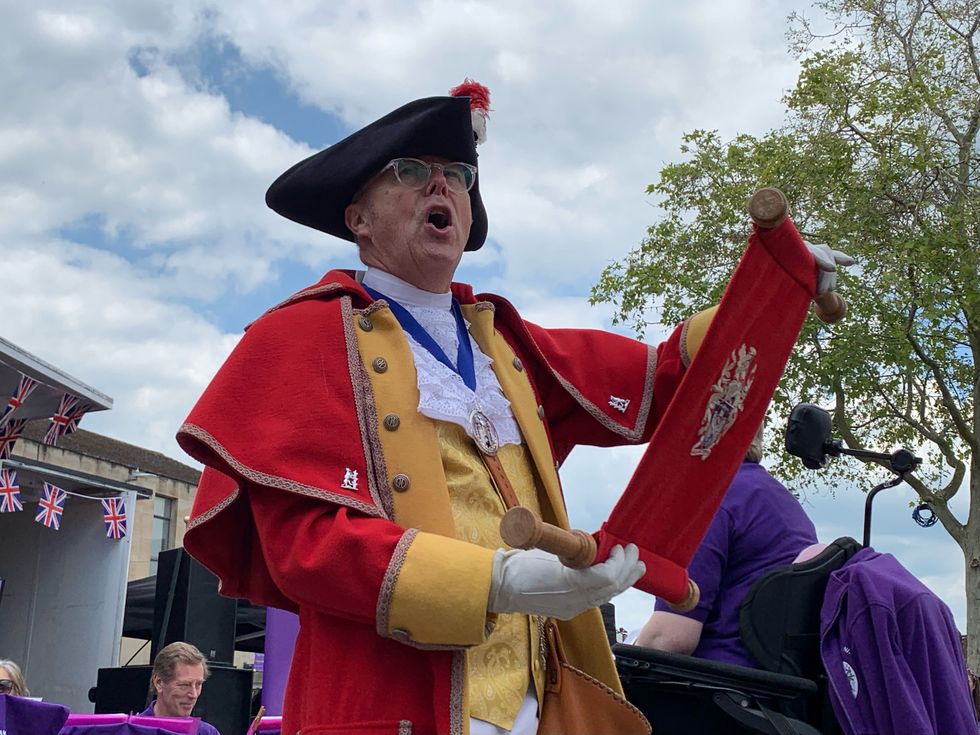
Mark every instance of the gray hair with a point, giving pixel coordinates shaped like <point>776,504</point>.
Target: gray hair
<point>754,452</point>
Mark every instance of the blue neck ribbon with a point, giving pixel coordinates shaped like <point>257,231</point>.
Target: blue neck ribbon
<point>464,352</point>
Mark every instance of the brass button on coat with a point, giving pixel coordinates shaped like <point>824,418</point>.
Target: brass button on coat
<point>392,422</point>
<point>518,364</point>
<point>380,365</point>
<point>366,324</point>
<point>400,482</point>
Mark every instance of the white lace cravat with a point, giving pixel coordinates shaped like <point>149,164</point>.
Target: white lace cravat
<point>442,393</point>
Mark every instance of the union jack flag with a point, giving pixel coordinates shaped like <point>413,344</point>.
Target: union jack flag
<point>9,492</point>
<point>51,506</point>
<point>114,515</point>
<point>9,435</point>
<point>25,387</point>
<point>65,419</point>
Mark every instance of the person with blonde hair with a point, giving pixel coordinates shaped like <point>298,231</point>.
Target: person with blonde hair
<point>12,679</point>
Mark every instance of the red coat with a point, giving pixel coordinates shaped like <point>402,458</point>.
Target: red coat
<point>388,598</point>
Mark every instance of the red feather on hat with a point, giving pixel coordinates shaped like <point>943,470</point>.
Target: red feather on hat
<point>479,105</point>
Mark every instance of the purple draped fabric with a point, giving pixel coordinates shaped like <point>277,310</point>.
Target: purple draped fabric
<point>100,719</point>
<point>892,653</point>
<point>22,716</point>
<point>281,628</point>
<point>122,728</point>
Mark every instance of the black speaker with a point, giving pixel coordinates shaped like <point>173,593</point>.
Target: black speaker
<point>225,699</point>
<point>608,611</point>
<point>122,689</point>
<point>187,607</point>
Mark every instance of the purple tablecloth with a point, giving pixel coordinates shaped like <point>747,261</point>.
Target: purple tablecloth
<point>122,728</point>
<point>20,716</point>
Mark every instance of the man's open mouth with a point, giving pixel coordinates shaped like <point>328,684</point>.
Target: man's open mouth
<point>439,217</point>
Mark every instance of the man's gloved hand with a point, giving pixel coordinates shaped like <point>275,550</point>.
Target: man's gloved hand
<point>827,262</point>
<point>536,582</point>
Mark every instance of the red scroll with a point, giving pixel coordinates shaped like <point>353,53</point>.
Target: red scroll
<point>708,426</point>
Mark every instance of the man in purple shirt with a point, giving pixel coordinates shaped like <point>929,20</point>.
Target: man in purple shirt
<point>760,525</point>
<point>179,673</point>
<point>892,653</point>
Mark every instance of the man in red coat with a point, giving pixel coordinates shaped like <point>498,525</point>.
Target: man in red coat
<point>350,437</point>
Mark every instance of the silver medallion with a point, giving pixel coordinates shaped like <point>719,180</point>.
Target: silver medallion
<point>484,433</point>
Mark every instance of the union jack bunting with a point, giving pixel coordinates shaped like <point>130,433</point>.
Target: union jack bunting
<point>25,387</point>
<point>9,492</point>
<point>114,515</point>
<point>65,419</point>
<point>51,506</point>
<point>9,435</point>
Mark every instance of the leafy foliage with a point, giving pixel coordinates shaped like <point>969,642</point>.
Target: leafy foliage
<point>879,157</point>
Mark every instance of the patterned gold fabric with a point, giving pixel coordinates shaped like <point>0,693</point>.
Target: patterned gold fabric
<point>500,669</point>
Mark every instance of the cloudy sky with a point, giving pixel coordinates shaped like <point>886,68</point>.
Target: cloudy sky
<point>137,138</point>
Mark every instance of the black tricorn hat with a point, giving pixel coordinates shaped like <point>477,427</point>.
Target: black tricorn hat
<point>316,191</point>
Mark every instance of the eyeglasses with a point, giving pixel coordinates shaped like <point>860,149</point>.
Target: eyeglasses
<point>415,174</point>
<point>6,686</point>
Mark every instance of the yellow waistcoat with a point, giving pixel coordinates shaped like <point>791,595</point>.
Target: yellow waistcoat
<point>409,446</point>
<point>500,669</point>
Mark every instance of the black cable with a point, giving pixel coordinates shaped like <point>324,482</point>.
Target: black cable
<point>145,643</point>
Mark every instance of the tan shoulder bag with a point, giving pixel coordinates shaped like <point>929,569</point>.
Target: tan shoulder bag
<point>578,704</point>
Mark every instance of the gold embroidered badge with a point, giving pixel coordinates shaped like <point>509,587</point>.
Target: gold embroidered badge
<point>726,401</point>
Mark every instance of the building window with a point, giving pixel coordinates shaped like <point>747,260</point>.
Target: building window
<point>163,529</point>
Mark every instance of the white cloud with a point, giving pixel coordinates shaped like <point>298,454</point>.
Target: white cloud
<point>90,313</point>
<point>167,170</point>
<point>588,104</point>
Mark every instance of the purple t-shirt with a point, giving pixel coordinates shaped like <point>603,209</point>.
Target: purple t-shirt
<point>760,525</point>
<point>203,728</point>
<point>892,653</point>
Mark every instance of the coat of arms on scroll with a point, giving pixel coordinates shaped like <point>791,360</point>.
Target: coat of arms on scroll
<point>726,401</point>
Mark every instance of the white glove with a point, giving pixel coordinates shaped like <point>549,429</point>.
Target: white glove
<point>536,582</point>
<point>827,262</point>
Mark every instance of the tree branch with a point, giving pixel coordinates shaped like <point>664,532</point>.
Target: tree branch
<point>945,448</point>
<point>940,507</point>
<point>948,399</point>
<point>911,65</point>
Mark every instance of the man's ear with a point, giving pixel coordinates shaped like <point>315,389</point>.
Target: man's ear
<point>157,683</point>
<point>355,220</point>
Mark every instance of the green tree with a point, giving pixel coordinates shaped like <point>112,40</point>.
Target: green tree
<point>878,156</point>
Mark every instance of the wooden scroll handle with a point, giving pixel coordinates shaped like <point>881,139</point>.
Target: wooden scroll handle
<point>522,529</point>
<point>691,601</point>
<point>768,208</point>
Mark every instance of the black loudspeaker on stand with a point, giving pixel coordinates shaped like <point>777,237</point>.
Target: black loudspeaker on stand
<point>187,607</point>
